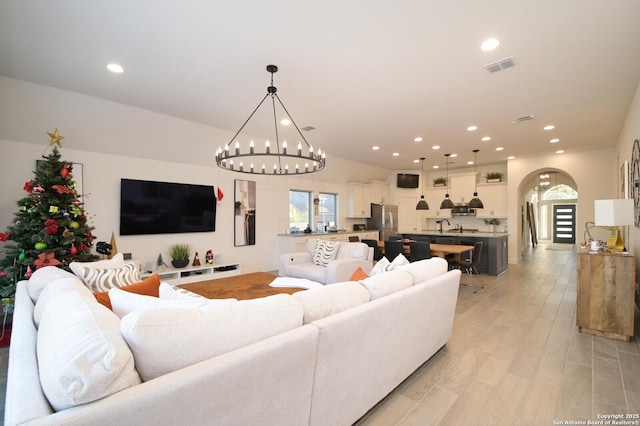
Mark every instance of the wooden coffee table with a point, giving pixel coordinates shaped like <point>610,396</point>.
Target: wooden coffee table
<point>241,287</point>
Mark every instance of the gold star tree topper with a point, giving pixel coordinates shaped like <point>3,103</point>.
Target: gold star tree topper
<point>55,138</point>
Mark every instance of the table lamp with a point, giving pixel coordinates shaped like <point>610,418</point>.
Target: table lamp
<point>612,214</point>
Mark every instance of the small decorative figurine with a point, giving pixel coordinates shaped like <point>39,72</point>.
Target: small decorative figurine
<point>209,257</point>
<point>196,260</point>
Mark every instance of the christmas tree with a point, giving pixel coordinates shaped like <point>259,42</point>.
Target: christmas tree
<point>50,226</point>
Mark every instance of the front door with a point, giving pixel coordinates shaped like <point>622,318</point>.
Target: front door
<point>564,223</point>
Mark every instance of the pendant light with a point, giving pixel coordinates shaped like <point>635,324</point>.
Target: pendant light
<point>422,204</point>
<point>475,202</point>
<point>447,203</point>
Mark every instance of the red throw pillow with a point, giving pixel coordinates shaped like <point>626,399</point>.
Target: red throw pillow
<point>358,274</point>
<point>148,287</point>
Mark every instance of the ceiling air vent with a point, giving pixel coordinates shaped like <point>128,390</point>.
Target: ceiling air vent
<point>502,64</point>
<point>308,128</point>
<point>523,118</point>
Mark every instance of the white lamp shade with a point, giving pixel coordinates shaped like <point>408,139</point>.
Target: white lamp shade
<point>614,212</point>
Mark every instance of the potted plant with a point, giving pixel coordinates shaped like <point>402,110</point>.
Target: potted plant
<point>494,177</point>
<point>180,255</point>
<point>440,181</point>
<point>492,223</point>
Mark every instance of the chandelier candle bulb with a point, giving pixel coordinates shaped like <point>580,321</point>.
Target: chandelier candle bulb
<point>299,149</point>
<point>306,167</point>
<point>268,146</point>
<point>231,164</point>
<point>237,148</point>
<point>251,147</point>
<point>241,166</point>
<point>284,148</point>
<point>286,168</point>
<point>263,169</point>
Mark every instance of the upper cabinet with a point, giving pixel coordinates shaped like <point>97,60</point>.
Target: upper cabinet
<point>379,192</point>
<point>358,200</point>
<point>494,199</point>
<point>461,187</point>
<point>433,197</point>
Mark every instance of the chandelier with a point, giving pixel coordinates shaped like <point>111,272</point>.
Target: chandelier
<point>285,162</point>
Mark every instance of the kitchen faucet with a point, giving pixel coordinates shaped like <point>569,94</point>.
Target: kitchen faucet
<point>439,222</point>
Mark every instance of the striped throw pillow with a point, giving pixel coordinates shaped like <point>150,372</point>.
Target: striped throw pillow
<point>103,279</point>
<point>325,251</point>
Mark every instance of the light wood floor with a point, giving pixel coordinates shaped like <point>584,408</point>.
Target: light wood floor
<point>515,358</point>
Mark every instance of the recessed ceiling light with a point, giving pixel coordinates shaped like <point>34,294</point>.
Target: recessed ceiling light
<point>472,128</point>
<point>285,121</point>
<point>470,163</point>
<point>436,167</point>
<point>486,139</point>
<point>500,148</point>
<point>549,127</point>
<point>435,147</point>
<point>554,140</point>
<point>418,139</point>
<point>561,151</point>
<point>489,44</point>
<point>115,68</point>
<point>375,148</point>
<point>453,155</point>
<point>511,157</point>
<point>396,154</point>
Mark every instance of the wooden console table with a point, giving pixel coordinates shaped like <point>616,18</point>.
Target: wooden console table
<point>606,294</point>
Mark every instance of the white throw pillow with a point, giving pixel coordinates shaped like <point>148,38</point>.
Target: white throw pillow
<point>124,302</point>
<point>399,261</point>
<point>103,279</point>
<point>164,340</point>
<point>320,302</point>
<point>82,357</point>
<point>115,261</point>
<point>381,266</point>
<point>384,284</point>
<point>325,251</point>
<point>60,289</point>
<point>169,292</point>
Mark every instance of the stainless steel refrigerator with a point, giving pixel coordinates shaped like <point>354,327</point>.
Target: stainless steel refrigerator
<point>384,217</point>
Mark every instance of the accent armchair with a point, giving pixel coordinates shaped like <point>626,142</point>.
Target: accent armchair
<point>336,266</point>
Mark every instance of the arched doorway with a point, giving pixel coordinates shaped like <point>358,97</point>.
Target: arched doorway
<point>550,200</point>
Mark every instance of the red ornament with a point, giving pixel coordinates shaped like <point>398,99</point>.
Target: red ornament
<point>64,172</point>
<point>3,274</point>
<point>73,250</point>
<point>77,202</point>
<point>62,189</point>
<point>4,236</point>
<point>51,226</point>
<point>28,186</point>
<point>83,248</point>
<point>29,272</point>
<point>89,236</point>
<point>46,259</point>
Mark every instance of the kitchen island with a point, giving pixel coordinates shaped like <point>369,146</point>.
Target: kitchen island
<point>289,243</point>
<point>493,260</point>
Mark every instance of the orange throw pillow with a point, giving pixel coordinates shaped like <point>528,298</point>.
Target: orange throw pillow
<point>148,287</point>
<point>358,274</point>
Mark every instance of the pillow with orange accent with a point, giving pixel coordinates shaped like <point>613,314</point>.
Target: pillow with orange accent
<point>358,274</point>
<point>147,287</point>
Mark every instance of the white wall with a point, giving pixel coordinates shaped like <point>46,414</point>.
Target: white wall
<point>113,141</point>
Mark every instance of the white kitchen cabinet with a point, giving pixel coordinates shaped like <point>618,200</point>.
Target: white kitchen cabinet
<point>494,199</point>
<point>358,200</point>
<point>461,187</point>
<point>433,197</point>
<point>379,192</point>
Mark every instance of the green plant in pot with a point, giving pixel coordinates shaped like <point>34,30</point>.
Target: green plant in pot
<point>494,176</point>
<point>440,181</point>
<point>180,254</point>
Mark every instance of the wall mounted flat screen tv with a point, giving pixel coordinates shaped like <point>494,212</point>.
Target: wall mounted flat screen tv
<point>407,180</point>
<point>148,207</point>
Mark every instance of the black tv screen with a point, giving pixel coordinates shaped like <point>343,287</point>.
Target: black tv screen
<point>407,180</point>
<point>148,207</point>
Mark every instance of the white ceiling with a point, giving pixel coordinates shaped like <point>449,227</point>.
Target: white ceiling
<point>363,73</point>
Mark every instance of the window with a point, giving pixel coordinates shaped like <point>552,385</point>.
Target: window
<point>324,212</point>
<point>299,210</point>
<point>327,209</point>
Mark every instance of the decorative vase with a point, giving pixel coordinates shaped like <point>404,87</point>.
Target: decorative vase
<point>179,263</point>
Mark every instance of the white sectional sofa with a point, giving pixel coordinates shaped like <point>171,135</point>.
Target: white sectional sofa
<point>340,349</point>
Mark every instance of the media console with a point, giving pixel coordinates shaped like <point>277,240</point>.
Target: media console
<point>192,274</point>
